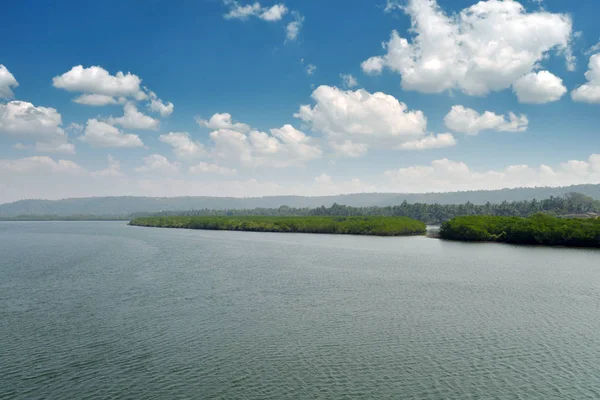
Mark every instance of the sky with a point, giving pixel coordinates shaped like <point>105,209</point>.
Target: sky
<point>242,98</point>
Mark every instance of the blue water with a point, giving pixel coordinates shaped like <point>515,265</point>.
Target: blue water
<point>101,310</point>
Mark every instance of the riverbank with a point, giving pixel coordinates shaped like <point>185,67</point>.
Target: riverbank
<point>539,229</point>
<point>374,226</point>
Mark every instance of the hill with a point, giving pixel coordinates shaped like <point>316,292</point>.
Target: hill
<point>122,206</point>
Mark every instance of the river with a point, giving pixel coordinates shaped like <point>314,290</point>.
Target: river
<point>98,310</point>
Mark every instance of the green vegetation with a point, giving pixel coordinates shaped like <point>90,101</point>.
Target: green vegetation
<point>378,226</point>
<point>572,204</point>
<point>538,229</point>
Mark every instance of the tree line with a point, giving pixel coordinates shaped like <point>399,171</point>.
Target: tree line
<point>572,204</point>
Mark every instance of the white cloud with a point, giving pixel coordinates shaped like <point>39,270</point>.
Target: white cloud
<point>293,28</point>
<point>349,81</point>
<point>590,92</point>
<point>100,134</point>
<point>310,69</point>
<point>97,80</point>
<point>348,148</point>
<point>158,106</point>
<point>23,120</point>
<point>183,145</point>
<point>113,169</point>
<point>7,80</point>
<point>97,100</point>
<point>468,121</point>
<point>284,147</point>
<point>323,179</point>
<point>223,121</point>
<point>43,164</point>
<point>430,142</point>
<point>158,164</point>
<point>539,88</point>
<point>134,119</point>
<point>274,13</point>
<point>486,47</point>
<point>353,121</point>
<point>447,175</point>
<point>242,12</point>
<point>206,168</point>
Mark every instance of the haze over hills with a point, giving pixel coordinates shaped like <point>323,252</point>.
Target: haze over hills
<point>123,206</point>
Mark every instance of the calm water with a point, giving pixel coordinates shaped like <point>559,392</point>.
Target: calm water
<point>103,310</point>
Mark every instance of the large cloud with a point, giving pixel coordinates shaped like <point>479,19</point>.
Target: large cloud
<point>134,119</point>
<point>24,121</point>
<point>468,121</point>
<point>183,145</point>
<point>103,135</point>
<point>590,92</point>
<point>7,80</point>
<point>486,47</point>
<point>284,147</point>
<point>539,88</point>
<point>353,121</point>
<point>97,80</point>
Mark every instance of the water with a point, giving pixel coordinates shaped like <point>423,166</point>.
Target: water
<point>103,310</point>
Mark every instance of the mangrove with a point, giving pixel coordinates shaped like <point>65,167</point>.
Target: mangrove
<point>539,229</point>
<point>375,226</point>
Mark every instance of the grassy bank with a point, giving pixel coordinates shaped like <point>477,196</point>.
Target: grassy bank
<point>377,226</point>
<point>538,229</point>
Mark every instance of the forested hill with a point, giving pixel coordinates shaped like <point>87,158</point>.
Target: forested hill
<point>122,206</point>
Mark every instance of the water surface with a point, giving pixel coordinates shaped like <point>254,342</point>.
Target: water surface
<point>104,310</point>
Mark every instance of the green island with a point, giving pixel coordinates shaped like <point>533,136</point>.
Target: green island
<point>375,226</point>
<point>538,229</point>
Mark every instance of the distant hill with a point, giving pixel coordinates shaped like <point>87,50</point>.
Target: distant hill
<point>122,206</point>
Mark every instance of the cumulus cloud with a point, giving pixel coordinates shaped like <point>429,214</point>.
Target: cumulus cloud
<point>183,145</point>
<point>158,106</point>
<point>96,80</point>
<point>589,92</point>
<point>292,30</point>
<point>539,88</point>
<point>23,120</point>
<point>134,119</point>
<point>155,163</point>
<point>348,81</point>
<point>7,81</point>
<point>448,175</point>
<point>274,13</point>
<point>284,147</point>
<point>353,121</point>
<point>486,47</point>
<point>206,168</point>
<point>100,134</point>
<point>223,121</point>
<point>470,122</point>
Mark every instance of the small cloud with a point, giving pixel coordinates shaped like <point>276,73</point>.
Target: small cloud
<point>310,69</point>
<point>349,81</point>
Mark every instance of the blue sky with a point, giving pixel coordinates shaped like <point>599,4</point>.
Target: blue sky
<point>428,111</point>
